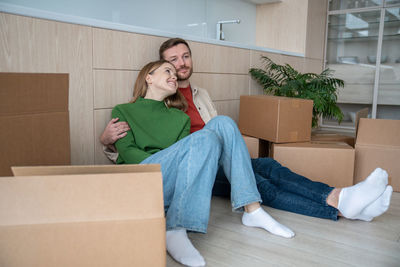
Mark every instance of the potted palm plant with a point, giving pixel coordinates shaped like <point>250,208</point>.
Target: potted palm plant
<point>284,80</point>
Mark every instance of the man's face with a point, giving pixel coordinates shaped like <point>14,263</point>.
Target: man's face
<point>180,57</point>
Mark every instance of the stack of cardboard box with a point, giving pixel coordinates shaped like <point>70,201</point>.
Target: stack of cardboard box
<point>330,158</point>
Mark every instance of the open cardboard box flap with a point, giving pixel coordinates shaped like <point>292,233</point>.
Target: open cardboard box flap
<point>79,194</point>
<point>84,169</point>
<point>378,132</point>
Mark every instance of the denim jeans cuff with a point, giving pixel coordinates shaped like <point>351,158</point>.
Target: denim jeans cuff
<point>190,228</point>
<point>240,207</point>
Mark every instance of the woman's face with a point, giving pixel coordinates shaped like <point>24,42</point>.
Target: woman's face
<point>163,80</point>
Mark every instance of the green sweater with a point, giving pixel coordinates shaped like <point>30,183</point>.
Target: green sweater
<point>154,127</point>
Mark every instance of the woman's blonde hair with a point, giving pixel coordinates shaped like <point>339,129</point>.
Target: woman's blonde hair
<point>176,100</point>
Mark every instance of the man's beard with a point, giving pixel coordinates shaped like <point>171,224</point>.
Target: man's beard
<point>187,75</point>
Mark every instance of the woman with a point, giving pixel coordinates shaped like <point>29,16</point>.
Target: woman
<point>189,163</point>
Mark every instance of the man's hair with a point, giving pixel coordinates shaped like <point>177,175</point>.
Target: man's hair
<point>176,100</point>
<point>171,43</point>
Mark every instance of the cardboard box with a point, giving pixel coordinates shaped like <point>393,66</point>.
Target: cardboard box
<point>276,119</point>
<point>378,145</point>
<point>34,113</point>
<point>330,163</point>
<point>257,148</point>
<point>83,216</point>
<point>333,137</point>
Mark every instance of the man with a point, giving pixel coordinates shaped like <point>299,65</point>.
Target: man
<point>279,187</point>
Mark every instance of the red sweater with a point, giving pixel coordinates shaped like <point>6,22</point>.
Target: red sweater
<point>196,122</point>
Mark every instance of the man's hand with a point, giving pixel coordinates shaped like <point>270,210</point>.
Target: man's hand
<point>114,130</point>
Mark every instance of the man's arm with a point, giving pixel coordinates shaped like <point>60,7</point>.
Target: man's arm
<point>128,151</point>
<point>114,131</point>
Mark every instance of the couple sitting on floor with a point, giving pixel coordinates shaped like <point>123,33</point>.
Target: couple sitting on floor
<point>174,124</point>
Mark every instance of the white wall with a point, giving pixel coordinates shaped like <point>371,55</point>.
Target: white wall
<point>185,17</point>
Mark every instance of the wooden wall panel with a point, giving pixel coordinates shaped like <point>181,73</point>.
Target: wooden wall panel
<point>36,45</point>
<point>113,87</point>
<point>219,59</point>
<point>123,50</point>
<point>222,86</point>
<point>313,65</point>
<point>316,26</point>
<point>296,62</point>
<point>255,58</point>
<point>282,25</point>
<point>228,108</point>
<point>255,87</point>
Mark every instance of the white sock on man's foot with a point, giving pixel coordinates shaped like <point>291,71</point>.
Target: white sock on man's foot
<point>260,218</point>
<point>181,249</point>
<point>378,207</point>
<point>353,199</point>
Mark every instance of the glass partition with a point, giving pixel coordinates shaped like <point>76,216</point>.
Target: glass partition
<point>389,78</point>
<point>363,48</point>
<point>351,4</point>
<point>351,50</point>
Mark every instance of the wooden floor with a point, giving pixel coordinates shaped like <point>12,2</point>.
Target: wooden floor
<point>318,242</point>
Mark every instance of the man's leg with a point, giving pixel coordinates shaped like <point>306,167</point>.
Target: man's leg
<point>286,180</point>
<point>222,187</point>
<point>355,199</point>
<point>280,199</point>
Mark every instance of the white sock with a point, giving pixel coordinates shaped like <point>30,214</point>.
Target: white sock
<point>181,249</point>
<point>260,218</point>
<point>378,207</point>
<point>353,199</point>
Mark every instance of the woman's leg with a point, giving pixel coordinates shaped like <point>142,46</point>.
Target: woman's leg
<point>189,168</point>
<point>235,161</point>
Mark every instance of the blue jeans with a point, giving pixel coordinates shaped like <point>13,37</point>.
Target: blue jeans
<point>189,169</point>
<point>283,189</point>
